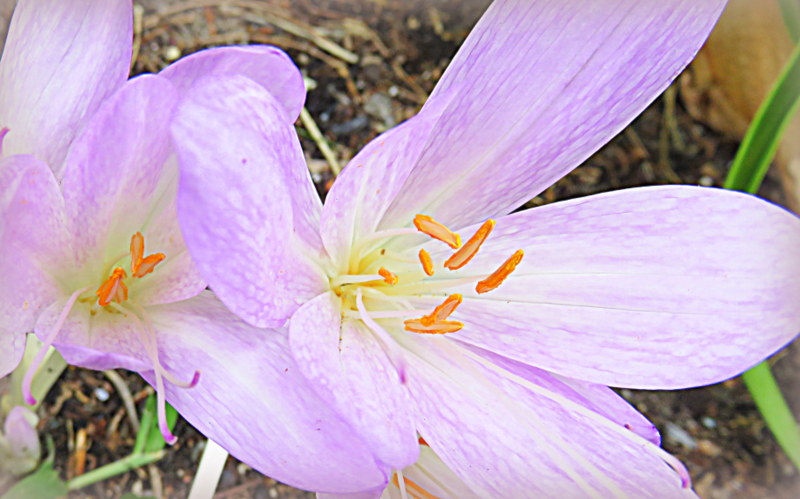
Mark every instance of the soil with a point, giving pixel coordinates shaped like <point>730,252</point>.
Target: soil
<point>387,57</point>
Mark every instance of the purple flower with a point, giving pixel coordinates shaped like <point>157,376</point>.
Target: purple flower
<point>93,261</point>
<point>658,287</point>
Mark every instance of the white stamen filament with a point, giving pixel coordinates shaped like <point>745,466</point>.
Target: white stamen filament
<point>387,314</point>
<point>401,483</point>
<point>148,338</point>
<point>390,346</point>
<point>343,279</point>
<point>27,380</point>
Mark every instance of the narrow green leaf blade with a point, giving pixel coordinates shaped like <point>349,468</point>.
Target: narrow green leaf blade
<point>761,141</point>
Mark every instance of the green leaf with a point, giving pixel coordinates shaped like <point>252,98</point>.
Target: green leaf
<point>149,438</point>
<point>791,17</point>
<point>44,483</point>
<point>761,141</point>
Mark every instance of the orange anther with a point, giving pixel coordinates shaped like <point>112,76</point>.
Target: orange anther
<point>422,441</point>
<point>140,267</point>
<point>498,276</point>
<point>431,227</point>
<point>427,263</point>
<point>442,327</point>
<point>389,277</point>
<point>148,264</point>
<point>113,289</point>
<point>470,249</point>
<point>444,310</point>
<point>137,251</point>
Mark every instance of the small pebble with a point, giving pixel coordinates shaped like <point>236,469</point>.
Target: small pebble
<point>678,435</point>
<point>101,394</point>
<point>709,422</point>
<point>172,53</point>
<point>706,181</point>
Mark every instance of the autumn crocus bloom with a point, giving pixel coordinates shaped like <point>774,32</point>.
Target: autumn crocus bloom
<point>93,262</point>
<point>416,317</point>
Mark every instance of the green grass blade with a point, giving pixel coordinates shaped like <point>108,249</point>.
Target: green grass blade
<point>791,17</point>
<point>776,413</point>
<point>761,141</point>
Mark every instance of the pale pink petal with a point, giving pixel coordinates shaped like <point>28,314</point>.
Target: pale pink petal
<point>95,337</point>
<point>248,209</point>
<point>348,367</point>
<point>600,399</point>
<point>120,179</point>
<point>32,237</point>
<point>268,66</point>
<point>252,400</point>
<point>61,59</point>
<point>372,179</point>
<point>505,439</point>
<point>655,287</point>
<point>539,87</point>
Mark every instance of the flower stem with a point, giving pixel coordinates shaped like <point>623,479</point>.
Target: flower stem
<point>121,466</point>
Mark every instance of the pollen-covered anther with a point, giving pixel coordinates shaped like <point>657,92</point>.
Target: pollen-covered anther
<point>441,327</point>
<point>427,225</point>
<point>426,261</point>
<point>497,277</point>
<point>470,249</point>
<point>389,277</point>
<point>140,267</point>
<point>113,289</point>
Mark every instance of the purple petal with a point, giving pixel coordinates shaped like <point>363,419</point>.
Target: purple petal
<point>120,179</point>
<point>248,209</point>
<point>347,366</point>
<point>31,237</point>
<point>600,399</point>
<point>655,287</point>
<point>61,59</point>
<point>268,66</point>
<point>360,196</point>
<point>95,338</point>
<point>253,401</point>
<point>505,439</point>
<point>541,86</point>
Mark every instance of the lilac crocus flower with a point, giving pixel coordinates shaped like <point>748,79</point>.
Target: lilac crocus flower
<point>60,60</point>
<point>495,349</point>
<point>93,261</point>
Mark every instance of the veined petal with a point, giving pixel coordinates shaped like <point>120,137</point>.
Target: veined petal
<point>251,397</point>
<point>33,242</point>
<point>121,178</point>
<point>61,59</point>
<point>248,209</point>
<point>268,66</point>
<point>598,398</point>
<point>95,338</point>
<point>529,441</point>
<point>348,367</point>
<point>372,179</point>
<point>655,287</point>
<point>542,86</point>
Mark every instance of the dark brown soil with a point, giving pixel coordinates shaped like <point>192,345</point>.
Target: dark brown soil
<point>401,50</point>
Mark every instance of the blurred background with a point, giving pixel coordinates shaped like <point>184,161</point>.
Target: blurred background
<point>370,65</point>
